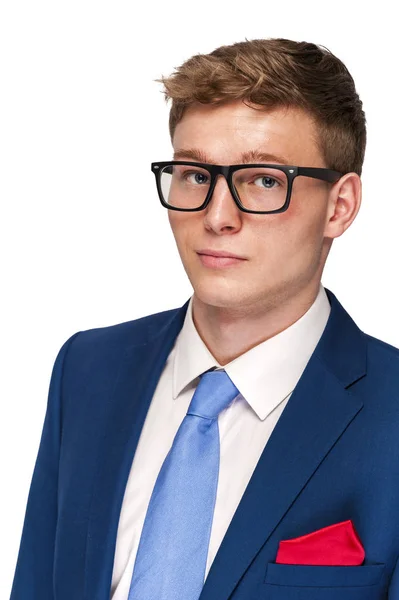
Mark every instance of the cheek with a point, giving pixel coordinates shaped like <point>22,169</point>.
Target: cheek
<point>177,222</point>
<point>305,217</point>
<point>183,231</point>
<point>292,235</point>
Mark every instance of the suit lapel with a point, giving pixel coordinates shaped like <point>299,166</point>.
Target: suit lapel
<point>320,409</point>
<point>316,415</point>
<point>318,412</point>
<point>135,384</point>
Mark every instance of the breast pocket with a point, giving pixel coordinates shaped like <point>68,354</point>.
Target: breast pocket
<point>300,582</point>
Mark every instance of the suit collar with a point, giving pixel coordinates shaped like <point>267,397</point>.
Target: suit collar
<point>342,347</point>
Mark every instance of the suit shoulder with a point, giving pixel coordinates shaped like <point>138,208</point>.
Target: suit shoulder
<point>125,334</point>
<point>381,347</point>
<point>382,362</point>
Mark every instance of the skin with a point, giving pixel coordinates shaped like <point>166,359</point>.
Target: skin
<point>238,307</point>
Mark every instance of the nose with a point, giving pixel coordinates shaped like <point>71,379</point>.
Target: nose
<point>221,192</point>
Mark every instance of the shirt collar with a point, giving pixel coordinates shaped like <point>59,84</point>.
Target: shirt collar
<point>265,374</point>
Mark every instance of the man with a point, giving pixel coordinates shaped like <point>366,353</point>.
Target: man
<point>263,423</point>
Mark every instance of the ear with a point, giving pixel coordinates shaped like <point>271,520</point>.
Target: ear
<point>343,204</point>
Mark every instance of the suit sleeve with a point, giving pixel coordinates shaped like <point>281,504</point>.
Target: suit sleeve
<point>33,577</point>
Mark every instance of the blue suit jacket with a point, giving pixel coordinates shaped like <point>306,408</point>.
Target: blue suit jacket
<point>333,456</point>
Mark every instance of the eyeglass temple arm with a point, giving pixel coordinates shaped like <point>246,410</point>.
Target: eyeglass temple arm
<point>320,173</point>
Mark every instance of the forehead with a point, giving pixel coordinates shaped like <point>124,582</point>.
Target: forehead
<point>225,132</point>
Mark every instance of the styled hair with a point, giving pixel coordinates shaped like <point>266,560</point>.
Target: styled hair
<point>273,73</point>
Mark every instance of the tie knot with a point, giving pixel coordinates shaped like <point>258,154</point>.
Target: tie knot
<point>214,393</point>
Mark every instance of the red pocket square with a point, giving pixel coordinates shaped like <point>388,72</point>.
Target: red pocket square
<point>335,545</point>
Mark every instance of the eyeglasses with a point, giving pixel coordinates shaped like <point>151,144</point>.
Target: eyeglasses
<point>256,188</point>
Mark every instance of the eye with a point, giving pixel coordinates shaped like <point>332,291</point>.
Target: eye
<point>267,181</point>
<point>197,177</point>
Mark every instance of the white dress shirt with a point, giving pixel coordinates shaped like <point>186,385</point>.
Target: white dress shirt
<point>266,376</point>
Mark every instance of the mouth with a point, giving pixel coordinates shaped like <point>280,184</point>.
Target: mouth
<point>217,262</point>
<point>219,254</point>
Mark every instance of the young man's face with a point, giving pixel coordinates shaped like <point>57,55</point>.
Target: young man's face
<point>285,252</point>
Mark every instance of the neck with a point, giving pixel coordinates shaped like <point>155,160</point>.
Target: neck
<point>229,330</point>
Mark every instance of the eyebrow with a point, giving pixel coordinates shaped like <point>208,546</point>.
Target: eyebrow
<point>252,156</point>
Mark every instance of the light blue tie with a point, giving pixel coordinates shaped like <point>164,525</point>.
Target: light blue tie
<point>173,549</point>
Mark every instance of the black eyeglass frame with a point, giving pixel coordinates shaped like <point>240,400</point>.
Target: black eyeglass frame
<point>323,174</point>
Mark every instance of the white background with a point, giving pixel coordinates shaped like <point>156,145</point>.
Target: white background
<point>84,239</point>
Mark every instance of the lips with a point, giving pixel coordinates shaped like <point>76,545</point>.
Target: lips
<point>219,254</point>
<point>218,262</point>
